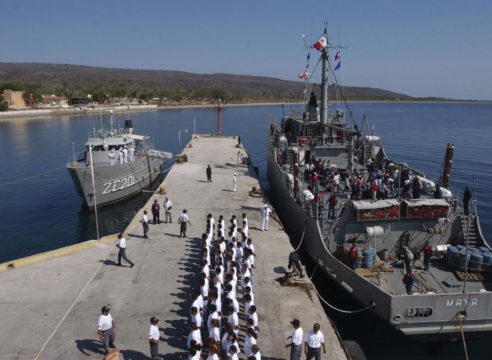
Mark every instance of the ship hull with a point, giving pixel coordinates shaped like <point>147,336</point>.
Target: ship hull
<point>116,183</point>
<point>443,325</point>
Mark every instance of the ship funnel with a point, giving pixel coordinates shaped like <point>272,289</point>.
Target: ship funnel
<point>129,126</point>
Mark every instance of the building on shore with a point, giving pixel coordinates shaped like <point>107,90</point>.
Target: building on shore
<point>15,99</point>
<point>55,101</point>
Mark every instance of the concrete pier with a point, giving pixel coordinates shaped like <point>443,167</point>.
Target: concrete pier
<point>49,309</point>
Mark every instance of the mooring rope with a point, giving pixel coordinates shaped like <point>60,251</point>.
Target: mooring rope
<point>30,177</point>
<point>334,307</point>
<point>463,337</point>
<point>300,243</point>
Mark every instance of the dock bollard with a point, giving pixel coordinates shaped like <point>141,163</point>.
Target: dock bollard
<point>162,191</point>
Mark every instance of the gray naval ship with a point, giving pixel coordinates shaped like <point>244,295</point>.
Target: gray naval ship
<point>390,213</point>
<point>123,164</point>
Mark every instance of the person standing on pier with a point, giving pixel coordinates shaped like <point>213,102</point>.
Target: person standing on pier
<point>314,341</point>
<point>234,182</point>
<point>105,329</point>
<point>122,253</point>
<point>238,158</point>
<point>145,224</point>
<point>154,337</point>
<point>156,209</point>
<point>265,217</point>
<point>209,173</point>
<point>183,221</point>
<point>168,205</point>
<point>296,340</point>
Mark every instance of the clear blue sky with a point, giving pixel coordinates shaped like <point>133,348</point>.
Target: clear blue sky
<point>418,47</point>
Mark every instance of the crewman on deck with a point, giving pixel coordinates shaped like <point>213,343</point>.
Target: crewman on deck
<point>125,154</point>
<point>132,153</point>
<point>427,254</point>
<point>352,253</point>
<point>111,157</point>
<point>409,280</point>
<point>120,156</point>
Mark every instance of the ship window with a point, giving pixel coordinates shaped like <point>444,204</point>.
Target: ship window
<point>413,313</point>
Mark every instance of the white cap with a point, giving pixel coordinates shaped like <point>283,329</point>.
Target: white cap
<point>235,174</point>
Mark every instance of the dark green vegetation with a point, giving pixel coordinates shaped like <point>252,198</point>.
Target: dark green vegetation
<point>103,83</point>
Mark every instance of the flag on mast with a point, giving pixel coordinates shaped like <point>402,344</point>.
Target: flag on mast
<point>338,57</point>
<point>303,75</point>
<point>320,44</point>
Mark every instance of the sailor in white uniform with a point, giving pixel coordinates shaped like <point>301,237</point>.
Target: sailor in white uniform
<point>265,217</point>
<point>132,153</point>
<point>120,156</point>
<point>238,158</point>
<point>234,182</point>
<point>125,154</point>
<point>111,157</point>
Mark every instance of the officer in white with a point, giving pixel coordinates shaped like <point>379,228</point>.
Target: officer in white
<point>125,154</point>
<point>238,158</point>
<point>234,182</point>
<point>132,153</point>
<point>314,341</point>
<point>154,337</point>
<point>105,328</point>
<point>265,217</point>
<point>111,157</point>
<point>296,340</point>
<point>120,156</point>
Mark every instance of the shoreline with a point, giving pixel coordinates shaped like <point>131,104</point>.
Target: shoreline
<point>44,113</point>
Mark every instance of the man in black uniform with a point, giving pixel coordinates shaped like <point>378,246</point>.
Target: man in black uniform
<point>209,174</point>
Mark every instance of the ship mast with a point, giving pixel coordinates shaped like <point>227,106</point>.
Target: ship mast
<point>324,80</point>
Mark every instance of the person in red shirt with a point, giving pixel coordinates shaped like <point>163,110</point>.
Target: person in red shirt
<point>353,256</point>
<point>332,203</point>
<point>427,255</point>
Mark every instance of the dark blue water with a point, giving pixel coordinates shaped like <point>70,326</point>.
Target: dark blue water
<point>40,209</point>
